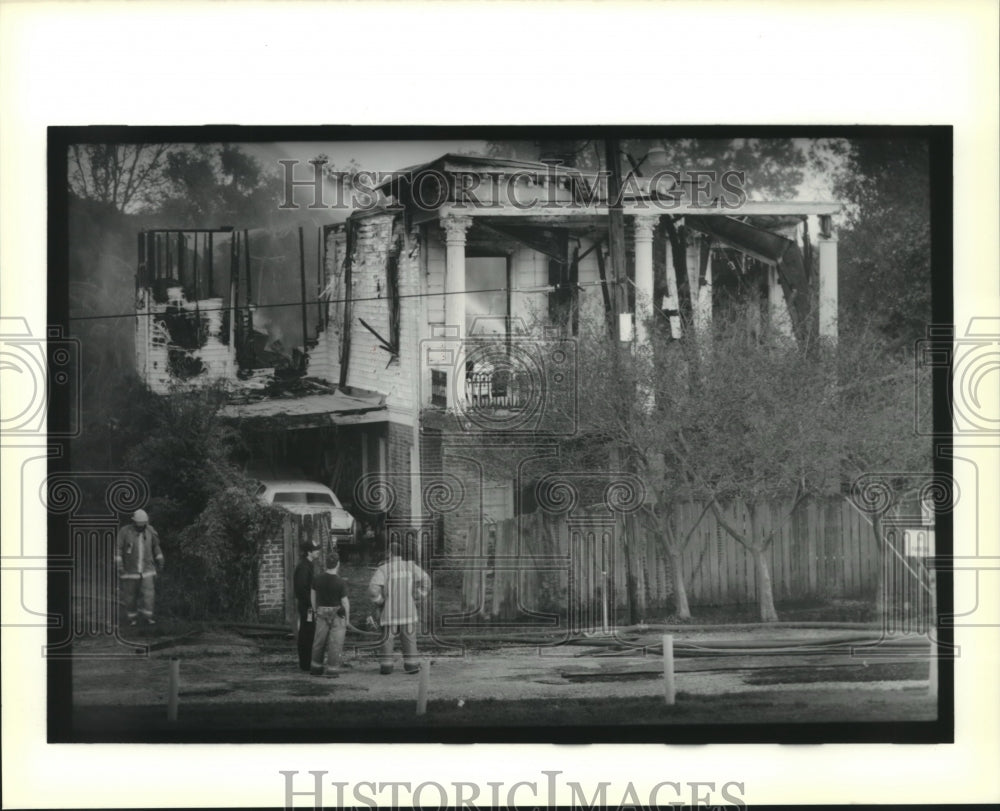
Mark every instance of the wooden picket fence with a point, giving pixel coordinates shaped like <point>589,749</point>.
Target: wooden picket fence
<point>536,563</point>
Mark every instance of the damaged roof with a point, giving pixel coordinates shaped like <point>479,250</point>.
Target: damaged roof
<point>339,407</point>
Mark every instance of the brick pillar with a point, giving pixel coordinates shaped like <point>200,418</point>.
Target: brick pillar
<point>271,582</point>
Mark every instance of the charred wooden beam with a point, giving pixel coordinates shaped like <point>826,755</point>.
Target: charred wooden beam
<point>678,249</point>
<point>609,314</point>
<point>774,249</point>
<point>544,240</point>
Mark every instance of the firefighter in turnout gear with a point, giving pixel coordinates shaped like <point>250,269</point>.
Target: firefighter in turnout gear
<point>138,556</point>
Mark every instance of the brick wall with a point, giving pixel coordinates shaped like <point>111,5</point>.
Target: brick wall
<point>399,440</point>
<point>371,367</point>
<point>271,583</point>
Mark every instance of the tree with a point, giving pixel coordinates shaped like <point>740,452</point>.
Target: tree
<point>126,177</point>
<point>885,270</point>
<point>881,393</point>
<point>218,184</point>
<point>186,453</point>
<point>767,420</point>
<point>757,422</point>
<point>615,423</point>
<point>201,501</point>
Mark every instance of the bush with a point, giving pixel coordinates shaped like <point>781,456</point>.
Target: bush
<point>220,553</point>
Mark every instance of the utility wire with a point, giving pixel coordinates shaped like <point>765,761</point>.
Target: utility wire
<point>298,303</point>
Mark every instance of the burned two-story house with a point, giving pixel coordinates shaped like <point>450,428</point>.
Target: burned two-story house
<point>337,354</point>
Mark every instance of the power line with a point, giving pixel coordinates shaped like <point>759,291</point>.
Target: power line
<point>542,289</point>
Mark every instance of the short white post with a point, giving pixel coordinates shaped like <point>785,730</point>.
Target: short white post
<point>668,670</point>
<point>932,676</point>
<point>604,602</point>
<point>425,668</point>
<point>174,688</point>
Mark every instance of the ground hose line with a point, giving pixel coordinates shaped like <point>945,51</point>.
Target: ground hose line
<point>734,648</point>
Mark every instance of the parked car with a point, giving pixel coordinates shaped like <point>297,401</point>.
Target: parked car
<point>304,497</point>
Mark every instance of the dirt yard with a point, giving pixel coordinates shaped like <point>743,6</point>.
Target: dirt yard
<point>233,680</point>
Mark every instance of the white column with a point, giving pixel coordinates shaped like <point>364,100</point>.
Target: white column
<point>455,228</point>
<point>643,228</point>
<point>827,281</point>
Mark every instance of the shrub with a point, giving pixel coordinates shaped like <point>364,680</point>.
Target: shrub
<point>221,552</point>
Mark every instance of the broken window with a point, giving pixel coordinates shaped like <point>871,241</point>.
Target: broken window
<point>187,276</point>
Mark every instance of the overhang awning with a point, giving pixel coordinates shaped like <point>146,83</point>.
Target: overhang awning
<point>312,410</point>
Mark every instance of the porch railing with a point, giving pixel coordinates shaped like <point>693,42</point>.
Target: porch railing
<point>493,389</point>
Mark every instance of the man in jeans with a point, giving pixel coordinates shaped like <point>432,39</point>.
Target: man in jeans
<point>137,555</point>
<point>333,613</point>
<point>393,586</point>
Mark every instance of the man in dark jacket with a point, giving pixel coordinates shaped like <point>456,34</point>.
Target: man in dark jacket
<point>304,573</point>
<point>137,556</point>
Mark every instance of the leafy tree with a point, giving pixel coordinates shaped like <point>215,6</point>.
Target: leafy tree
<point>186,453</point>
<point>774,167</point>
<point>617,422</point>
<point>881,392</point>
<point>218,184</point>
<point>764,419</point>
<point>884,254</point>
<point>201,502</point>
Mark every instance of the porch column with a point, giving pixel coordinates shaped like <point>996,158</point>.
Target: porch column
<point>827,279</point>
<point>643,235</point>
<point>455,228</point>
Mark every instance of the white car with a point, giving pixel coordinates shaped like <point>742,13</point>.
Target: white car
<point>304,497</point>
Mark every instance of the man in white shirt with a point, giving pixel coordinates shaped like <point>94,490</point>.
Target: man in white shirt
<point>393,586</point>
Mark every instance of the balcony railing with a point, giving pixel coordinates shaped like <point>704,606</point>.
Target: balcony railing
<point>494,389</point>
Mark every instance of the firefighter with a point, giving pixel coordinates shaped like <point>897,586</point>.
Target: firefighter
<point>138,556</point>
